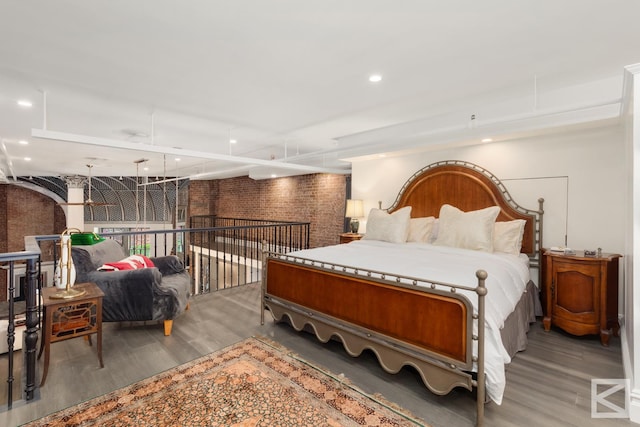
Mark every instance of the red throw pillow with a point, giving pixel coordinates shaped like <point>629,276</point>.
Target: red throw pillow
<point>132,262</point>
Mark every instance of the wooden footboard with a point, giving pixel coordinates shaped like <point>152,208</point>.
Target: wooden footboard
<point>427,327</point>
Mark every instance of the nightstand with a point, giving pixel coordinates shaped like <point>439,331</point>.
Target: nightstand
<point>581,294</point>
<point>349,237</point>
<point>71,318</point>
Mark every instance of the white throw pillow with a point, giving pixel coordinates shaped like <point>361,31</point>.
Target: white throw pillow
<point>434,231</point>
<point>468,230</point>
<point>387,227</point>
<point>507,236</point>
<point>420,229</point>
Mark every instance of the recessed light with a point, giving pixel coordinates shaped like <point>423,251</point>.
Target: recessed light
<point>487,140</point>
<point>27,159</point>
<point>382,155</point>
<point>177,159</point>
<point>145,168</point>
<point>23,142</point>
<point>375,78</point>
<point>25,103</point>
<point>273,175</point>
<point>232,141</point>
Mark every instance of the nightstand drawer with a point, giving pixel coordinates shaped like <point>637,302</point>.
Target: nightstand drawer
<point>350,237</point>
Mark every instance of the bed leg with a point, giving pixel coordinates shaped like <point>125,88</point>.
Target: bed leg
<point>480,411</point>
<point>481,290</point>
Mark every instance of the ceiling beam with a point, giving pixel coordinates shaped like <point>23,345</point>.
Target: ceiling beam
<point>124,145</point>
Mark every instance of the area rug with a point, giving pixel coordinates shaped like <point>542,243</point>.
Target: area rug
<point>253,383</point>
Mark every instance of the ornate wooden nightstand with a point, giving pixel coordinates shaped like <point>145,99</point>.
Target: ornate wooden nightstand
<point>349,237</point>
<point>71,318</point>
<point>581,294</point>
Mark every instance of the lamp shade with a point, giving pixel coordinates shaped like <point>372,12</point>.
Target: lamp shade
<point>355,209</point>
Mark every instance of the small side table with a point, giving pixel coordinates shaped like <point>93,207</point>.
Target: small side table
<point>581,294</point>
<point>349,237</point>
<point>71,318</point>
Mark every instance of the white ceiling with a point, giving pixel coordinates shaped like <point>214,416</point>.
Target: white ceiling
<point>156,79</point>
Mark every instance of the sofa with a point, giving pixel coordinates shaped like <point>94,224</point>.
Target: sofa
<point>159,293</point>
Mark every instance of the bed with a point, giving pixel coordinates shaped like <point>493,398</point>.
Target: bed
<point>417,298</point>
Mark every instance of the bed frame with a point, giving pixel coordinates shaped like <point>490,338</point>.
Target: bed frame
<point>378,311</point>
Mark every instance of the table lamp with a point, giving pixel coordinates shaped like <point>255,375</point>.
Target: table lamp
<point>355,210</point>
<point>65,272</point>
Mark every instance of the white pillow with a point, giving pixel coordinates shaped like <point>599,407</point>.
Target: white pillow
<point>420,229</point>
<point>387,227</point>
<point>507,236</point>
<point>468,230</point>
<point>434,231</point>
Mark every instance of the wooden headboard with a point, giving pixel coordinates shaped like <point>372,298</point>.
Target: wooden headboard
<point>467,187</point>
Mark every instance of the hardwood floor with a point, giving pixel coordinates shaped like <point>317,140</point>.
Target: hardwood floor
<point>547,385</point>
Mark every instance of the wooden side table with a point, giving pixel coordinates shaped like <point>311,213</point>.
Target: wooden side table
<point>71,318</point>
<point>581,294</point>
<point>349,237</point>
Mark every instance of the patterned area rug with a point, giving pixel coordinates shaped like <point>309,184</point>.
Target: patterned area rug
<point>253,383</point>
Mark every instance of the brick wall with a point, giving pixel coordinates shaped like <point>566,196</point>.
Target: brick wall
<point>24,212</point>
<point>317,198</point>
<point>4,244</point>
<point>200,200</point>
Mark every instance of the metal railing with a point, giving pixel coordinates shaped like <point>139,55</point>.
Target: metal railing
<point>223,253</point>
<point>227,252</point>
<point>31,258</point>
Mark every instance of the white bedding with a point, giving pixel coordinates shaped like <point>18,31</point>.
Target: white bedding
<point>506,281</point>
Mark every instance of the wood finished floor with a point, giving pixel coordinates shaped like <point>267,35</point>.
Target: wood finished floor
<point>547,385</point>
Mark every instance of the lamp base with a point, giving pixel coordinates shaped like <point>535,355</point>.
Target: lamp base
<point>68,293</point>
<point>354,225</point>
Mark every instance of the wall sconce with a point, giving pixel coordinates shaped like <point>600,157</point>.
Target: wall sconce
<point>355,210</point>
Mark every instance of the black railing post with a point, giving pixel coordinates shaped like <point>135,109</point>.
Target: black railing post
<point>11,334</point>
<point>31,333</point>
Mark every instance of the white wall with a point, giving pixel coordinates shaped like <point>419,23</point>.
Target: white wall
<point>630,330</point>
<point>580,174</point>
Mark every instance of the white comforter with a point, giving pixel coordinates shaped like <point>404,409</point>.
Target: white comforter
<point>507,279</point>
